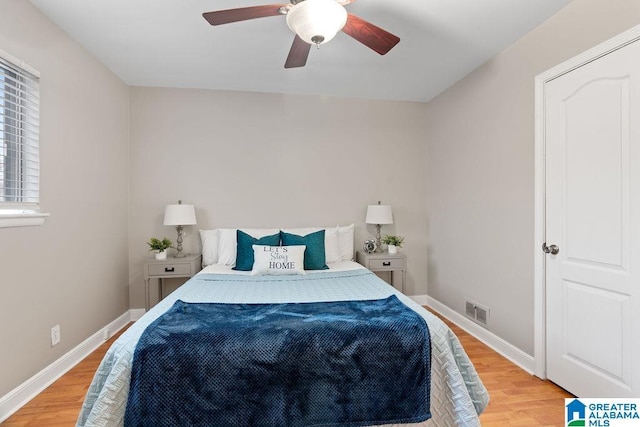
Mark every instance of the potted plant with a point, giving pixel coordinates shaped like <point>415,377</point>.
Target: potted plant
<point>160,247</point>
<point>393,243</point>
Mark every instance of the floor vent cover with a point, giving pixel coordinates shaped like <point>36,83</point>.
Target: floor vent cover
<point>477,313</point>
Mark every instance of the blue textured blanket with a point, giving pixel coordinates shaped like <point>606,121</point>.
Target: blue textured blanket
<point>349,363</point>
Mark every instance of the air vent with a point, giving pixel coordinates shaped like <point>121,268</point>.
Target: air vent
<point>476,312</point>
<point>471,310</point>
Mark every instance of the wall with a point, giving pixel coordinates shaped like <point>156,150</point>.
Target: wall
<point>71,271</point>
<point>480,136</point>
<point>269,160</point>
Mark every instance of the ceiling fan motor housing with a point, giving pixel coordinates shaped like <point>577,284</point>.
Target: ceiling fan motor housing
<point>316,21</point>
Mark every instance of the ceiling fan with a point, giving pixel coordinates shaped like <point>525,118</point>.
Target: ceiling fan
<point>315,22</point>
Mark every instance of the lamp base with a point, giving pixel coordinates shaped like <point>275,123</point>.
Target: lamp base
<point>378,240</point>
<point>179,241</point>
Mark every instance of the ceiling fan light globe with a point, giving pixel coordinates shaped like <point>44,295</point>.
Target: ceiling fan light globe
<point>316,19</point>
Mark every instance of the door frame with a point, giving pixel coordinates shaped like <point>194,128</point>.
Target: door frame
<point>539,296</point>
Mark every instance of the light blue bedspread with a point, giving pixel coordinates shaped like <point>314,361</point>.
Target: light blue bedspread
<point>457,394</point>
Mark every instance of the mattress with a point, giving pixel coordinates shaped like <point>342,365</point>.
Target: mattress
<point>457,393</point>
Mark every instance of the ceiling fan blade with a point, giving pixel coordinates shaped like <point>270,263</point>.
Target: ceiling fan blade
<point>369,35</point>
<point>298,54</point>
<point>242,14</point>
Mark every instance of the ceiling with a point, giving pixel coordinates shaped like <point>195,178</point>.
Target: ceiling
<point>167,43</point>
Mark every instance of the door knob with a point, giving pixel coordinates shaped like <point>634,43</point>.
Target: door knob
<point>553,249</point>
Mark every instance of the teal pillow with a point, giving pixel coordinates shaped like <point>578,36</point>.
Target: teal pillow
<point>314,255</point>
<point>244,256</point>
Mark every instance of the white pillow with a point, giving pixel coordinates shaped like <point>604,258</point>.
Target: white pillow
<point>278,260</point>
<point>209,247</point>
<point>331,247</point>
<point>227,247</point>
<point>345,241</point>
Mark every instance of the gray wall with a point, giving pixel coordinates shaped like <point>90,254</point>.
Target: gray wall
<point>269,160</point>
<point>71,271</point>
<point>480,136</point>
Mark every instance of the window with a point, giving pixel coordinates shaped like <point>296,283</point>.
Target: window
<point>19,143</point>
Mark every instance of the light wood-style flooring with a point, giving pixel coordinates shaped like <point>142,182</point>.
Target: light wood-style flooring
<point>517,398</point>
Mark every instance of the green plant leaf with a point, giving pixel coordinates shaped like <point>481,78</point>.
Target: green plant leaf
<point>159,245</point>
<point>393,240</point>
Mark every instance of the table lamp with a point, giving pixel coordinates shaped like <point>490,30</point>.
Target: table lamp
<point>179,215</point>
<point>379,215</point>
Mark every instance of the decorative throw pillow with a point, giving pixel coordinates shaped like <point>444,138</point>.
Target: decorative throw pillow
<point>314,256</point>
<point>244,258</point>
<point>331,246</point>
<point>278,260</point>
<point>228,242</point>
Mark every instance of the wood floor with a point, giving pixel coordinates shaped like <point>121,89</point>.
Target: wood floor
<point>517,398</point>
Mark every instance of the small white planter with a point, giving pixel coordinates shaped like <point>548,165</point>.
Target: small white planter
<point>393,249</point>
<point>161,254</point>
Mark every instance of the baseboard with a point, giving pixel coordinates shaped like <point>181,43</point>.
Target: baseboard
<point>420,299</point>
<point>26,391</point>
<point>136,313</point>
<point>502,347</point>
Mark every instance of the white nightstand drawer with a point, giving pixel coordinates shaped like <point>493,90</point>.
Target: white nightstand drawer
<point>178,269</point>
<point>382,264</point>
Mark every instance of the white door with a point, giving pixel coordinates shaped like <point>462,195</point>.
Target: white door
<point>592,142</point>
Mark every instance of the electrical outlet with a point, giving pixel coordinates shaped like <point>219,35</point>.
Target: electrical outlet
<point>55,335</point>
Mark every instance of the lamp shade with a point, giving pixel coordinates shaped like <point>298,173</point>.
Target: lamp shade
<point>379,214</point>
<point>179,215</point>
<point>316,21</point>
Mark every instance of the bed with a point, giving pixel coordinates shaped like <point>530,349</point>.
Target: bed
<point>457,396</point>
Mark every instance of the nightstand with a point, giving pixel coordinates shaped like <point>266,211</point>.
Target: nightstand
<point>384,261</point>
<point>169,268</point>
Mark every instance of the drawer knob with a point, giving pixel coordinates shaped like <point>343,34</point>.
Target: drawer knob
<point>169,269</point>
<point>386,263</point>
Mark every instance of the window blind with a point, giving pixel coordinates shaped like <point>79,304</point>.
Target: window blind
<point>19,136</point>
